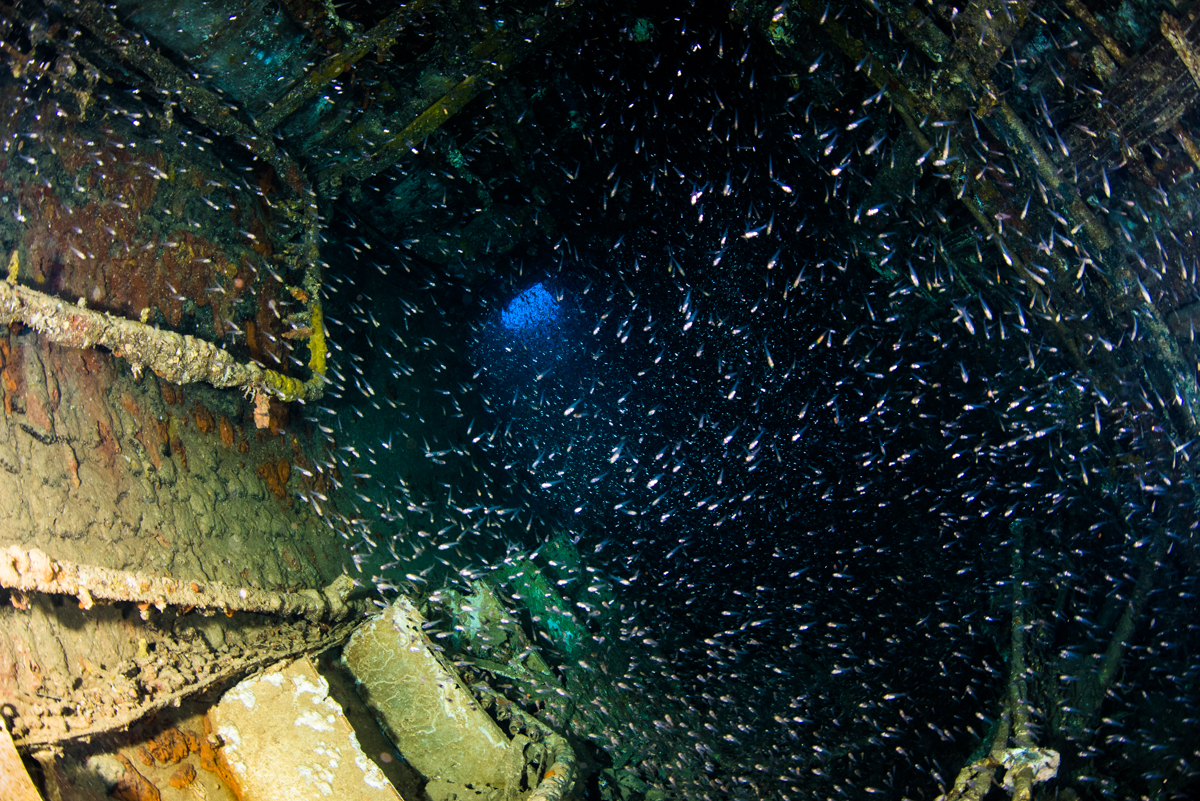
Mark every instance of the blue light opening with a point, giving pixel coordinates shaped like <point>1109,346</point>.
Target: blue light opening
<point>532,308</point>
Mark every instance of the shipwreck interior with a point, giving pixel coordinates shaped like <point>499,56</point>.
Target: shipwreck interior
<point>599,400</point>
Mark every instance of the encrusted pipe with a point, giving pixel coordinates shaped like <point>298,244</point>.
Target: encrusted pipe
<point>1018,709</point>
<point>559,778</point>
<point>33,571</point>
<point>1080,12</point>
<point>291,641</point>
<point>1025,764</point>
<point>556,782</point>
<point>178,358</point>
<point>974,781</point>
<point>301,207</point>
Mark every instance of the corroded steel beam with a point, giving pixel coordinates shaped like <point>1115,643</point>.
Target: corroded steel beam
<point>504,48</point>
<point>382,36</point>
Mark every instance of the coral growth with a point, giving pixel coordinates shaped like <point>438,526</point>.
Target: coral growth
<point>270,413</point>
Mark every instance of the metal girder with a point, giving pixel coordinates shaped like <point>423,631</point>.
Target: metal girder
<point>506,46</point>
<point>960,90</point>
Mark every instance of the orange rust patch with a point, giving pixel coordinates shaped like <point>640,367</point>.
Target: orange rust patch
<point>252,340</point>
<point>204,419</point>
<point>133,786</point>
<point>152,438</point>
<point>154,442</point>
<point>72,466</point>
<point>108,447</point>
<point>210,761</point>
<point>226,430</point>
<point>178,449</point>
<point>169,747</point>
<point>193,739</point>
<point>126,267</point>
<point>294,179</point>
<point>276,474</point>
<point>280,414</point>
<point>267,319</point>
<point>130,405</point>
<point>37,412</point>
<point>262,242</point>
<point>182,777</point>
<point>170,394</point>
<point>57,357</point>
<point>266,179</point>
<point>11,375</point>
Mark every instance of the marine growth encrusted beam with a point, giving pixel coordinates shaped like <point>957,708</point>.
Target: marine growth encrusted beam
<point>33,571</point>
<point>178,358</point>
